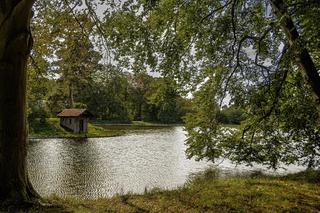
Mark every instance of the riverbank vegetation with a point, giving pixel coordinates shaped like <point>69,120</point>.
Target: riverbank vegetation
<point>50,128</point>
<point>208,192</point>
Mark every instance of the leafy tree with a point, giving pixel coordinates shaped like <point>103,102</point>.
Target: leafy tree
<point>107,96</point>
<point>162,97</point>
<point>37,89</point>
<point>40,68</point>
<point>140,83</point>
<point>252,51</point>
<point>77,59</point>
<point>202,124</point>
<point>231,115</point>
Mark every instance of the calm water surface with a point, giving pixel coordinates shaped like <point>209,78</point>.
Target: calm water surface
<point>102,167</point>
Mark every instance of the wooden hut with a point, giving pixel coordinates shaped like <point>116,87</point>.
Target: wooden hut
<point>75,120</point>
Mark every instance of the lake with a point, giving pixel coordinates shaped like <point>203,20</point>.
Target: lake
<point>102,167</point>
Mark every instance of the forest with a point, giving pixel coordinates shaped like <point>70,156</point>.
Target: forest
<point>71,73</point>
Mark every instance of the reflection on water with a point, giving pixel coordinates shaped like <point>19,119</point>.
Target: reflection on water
<point>101,167</point>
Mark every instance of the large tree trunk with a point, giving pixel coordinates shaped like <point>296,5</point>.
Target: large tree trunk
<point>303,58</point>
<point>15,46</point>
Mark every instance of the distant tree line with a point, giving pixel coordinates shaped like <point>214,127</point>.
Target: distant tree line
<point>67,71</point>
<point>230,115</point>
<point>112,96</point>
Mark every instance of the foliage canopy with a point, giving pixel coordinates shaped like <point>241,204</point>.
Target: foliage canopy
<point>261,56</point>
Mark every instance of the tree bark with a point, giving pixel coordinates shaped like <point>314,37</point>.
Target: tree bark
<point>15,46</point>
<point>303,58</point>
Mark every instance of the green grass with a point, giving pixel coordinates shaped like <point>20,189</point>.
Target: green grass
<point>134,125</point>
<point>206,192</point>
<point>52,129</point>
<point>144,123</point>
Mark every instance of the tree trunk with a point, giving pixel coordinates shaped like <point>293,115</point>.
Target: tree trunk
<point>15,46</point>
<point>303,58</point>
<point>71,96</point>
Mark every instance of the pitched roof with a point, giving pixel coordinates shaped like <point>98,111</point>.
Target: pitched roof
<point>74,113</point>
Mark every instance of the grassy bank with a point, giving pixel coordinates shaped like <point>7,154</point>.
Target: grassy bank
<point>52,129</point>
<point>207,193</point>
<point>135,123</point>
<point>133,126</point>
<point>144,123</point>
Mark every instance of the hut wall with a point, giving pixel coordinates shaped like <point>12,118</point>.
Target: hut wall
<point>68,123</point>
<point>73,124</point>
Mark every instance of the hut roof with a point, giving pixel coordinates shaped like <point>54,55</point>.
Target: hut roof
<point>75,113</point>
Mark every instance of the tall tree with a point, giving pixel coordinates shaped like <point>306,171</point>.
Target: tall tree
<point>140,82</point>
<point>107,96</point>
<point>15,45</point>
<point>162,97</point>
<point>77,59</point>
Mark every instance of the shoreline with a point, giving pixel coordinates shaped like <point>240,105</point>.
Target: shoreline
<point>51,129</point>
<point>71,137</point>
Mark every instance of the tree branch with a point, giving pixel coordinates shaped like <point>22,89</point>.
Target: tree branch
<point>243,39</point>
<point>84,32</point>
<point>275,98</point>
<point>303,58</point>
<point>216,10</point>
<point>98,24</point>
